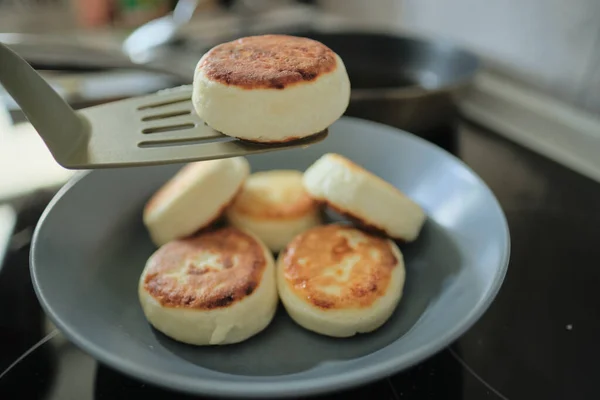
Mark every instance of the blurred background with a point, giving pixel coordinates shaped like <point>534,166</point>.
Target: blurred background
<point>533,60</point>
<point>521,59</point>
<point>511,87</point>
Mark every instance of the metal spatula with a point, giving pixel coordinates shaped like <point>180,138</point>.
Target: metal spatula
<point>161,128</point>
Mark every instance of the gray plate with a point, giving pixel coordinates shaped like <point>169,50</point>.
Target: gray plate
<point>91,246</point>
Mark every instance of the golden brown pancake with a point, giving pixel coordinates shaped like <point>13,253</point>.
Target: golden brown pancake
<point>268,61</point>
<point>214,269</point>
<point>338,281</point>
<point>337,267</point>
<point>275,207</point>
<point>215,288</point>
<point>280,88</point>
<point>274,194</point>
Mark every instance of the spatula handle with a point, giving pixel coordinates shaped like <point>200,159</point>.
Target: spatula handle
<point>50,115</point>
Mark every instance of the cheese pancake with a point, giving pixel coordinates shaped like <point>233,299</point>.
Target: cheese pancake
<point>270,88</point>
<point>194,198</point>
<point>337,280</point>
<point>365,198</point>
<point>275,207</point>
<point>215,288</point>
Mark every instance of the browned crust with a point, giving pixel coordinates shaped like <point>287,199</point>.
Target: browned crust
<point>268,61</point>
<point>299,139</point>
<point>257,204</point>
<point>307,257</point>
<point>206,287</point>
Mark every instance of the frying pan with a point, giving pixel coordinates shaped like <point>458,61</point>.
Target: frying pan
<point>404,81</point>
<point>407,82</point>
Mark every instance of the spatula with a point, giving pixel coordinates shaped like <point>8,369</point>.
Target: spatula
<point>161,128</point>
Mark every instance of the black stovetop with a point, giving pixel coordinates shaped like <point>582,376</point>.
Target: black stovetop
<point>538,340</point>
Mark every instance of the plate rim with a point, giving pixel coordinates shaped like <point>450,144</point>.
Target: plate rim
<point>253,387</point>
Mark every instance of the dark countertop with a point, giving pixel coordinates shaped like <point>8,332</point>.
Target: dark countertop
<point>538,340</point>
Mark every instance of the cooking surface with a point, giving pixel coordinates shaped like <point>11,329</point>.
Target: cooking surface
<point>537,340</point>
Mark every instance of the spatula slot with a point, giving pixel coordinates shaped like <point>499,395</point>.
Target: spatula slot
<point>166,115</point>
<point>179,142</point>
<point>164,103</point>
<point>169,128</point>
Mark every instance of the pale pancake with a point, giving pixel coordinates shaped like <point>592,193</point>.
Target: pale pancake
<point>270,88</point>
<point>338,281</point>
<point>215,288</point>
<point>367,199</point>
<point>275,207</point>
<point>194,198</point>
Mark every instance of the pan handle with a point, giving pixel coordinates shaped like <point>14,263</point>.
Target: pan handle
<point>8,219</point>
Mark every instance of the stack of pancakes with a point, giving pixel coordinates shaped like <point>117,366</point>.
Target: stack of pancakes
<point>212,283</point>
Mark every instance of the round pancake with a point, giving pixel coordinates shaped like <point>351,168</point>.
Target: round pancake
<point>365,198</point>
<point>337,280</point>
<point>194,198</point>
<point>212,289</point>
<point>275,207</point>
<point>270,88</point>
